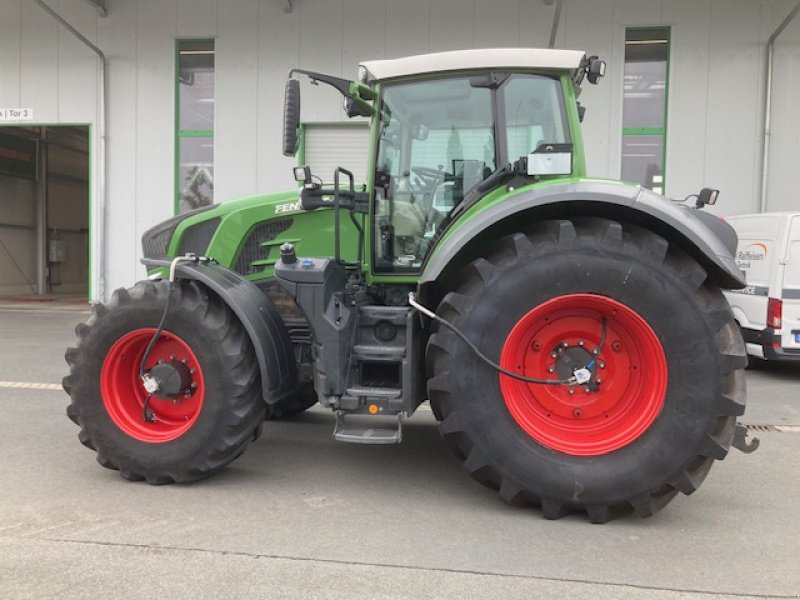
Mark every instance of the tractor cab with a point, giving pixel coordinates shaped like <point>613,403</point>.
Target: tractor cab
<point>447,129</point>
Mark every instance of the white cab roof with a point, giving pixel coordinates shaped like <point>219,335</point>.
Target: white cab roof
<point>488,58</point>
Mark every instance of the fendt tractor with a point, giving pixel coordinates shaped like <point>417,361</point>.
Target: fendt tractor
<point>569,333</point>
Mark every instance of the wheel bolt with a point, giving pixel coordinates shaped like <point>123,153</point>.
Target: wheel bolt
<point>577,412</point>
<point>185,361</point>
<point>172,357</point>
<point>194,385</point>
<point>581,343</point>
<point>553,355</point>
<point>571,390</point>
<point>599,380</point>
<point>616,346</point>
<point>193,371</point>
<point>602,365</point>
<point>550,370</point>
<point>587,390</point>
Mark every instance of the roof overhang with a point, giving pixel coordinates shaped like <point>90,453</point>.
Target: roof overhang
<point>100,5</point>
<point>464,60</point>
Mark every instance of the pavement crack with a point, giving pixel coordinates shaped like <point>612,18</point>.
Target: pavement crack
<point>333,561</point>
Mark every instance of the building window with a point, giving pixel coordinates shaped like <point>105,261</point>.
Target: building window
<point>194,146</point>
<point>644,108</point>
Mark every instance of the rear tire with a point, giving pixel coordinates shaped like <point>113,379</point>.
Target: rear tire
<point>191,437</point>
<point>564,277</point>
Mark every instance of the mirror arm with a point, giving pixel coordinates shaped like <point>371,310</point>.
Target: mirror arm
<point>343,85</point>
<point>356,94</point>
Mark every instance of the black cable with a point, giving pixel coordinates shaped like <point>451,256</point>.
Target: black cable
<point>497,367</point>
<point>156,335</point>
<point>592,364</point>
<point>148,414</point>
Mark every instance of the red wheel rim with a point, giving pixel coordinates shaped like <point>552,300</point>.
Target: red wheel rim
<point>630,372</point>
<point>124,394</point>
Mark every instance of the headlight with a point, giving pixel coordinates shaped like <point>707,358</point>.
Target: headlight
<point>155,240</point>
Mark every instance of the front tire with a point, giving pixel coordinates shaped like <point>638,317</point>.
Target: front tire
<point>190,436</point>
<point>672,379</point>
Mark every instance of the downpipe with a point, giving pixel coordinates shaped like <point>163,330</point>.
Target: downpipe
<point>770,65</point>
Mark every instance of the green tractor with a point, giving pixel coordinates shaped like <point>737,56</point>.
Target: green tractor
<point>570,333</point>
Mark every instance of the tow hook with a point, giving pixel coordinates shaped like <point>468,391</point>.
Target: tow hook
<point>740,440</point>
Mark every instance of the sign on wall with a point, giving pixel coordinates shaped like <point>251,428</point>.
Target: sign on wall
<point>17,156</point>
<point>16,114</point>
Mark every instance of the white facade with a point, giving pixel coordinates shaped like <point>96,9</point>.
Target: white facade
<point>716,86</point>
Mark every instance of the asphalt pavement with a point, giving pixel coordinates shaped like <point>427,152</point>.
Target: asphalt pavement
<point>300,515</point>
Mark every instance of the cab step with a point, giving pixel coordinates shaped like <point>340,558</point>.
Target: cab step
<point>367,352</point>
<point>367,435</point>
<point>374,392</point>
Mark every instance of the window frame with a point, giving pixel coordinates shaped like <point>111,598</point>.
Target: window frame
<point>656,131</point>
<point>180,133</point>
<point>499,124</point>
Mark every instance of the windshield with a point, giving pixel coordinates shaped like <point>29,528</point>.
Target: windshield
<point>438,141</point>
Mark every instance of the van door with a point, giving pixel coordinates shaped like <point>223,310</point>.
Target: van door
<point>791,289</point>
<point>756,257</point>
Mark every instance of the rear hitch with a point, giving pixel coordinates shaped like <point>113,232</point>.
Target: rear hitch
<point>740,440</point>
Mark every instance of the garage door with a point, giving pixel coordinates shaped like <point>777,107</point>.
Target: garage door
<point>331,145</point>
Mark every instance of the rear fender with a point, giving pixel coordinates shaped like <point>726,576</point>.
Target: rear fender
<point>708,239</point>
<point>259,318</point>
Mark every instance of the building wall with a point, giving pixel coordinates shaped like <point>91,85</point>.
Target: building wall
<point>715,103</point>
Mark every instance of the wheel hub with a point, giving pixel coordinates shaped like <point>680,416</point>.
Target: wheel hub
<point>570,359</point>
<point>174,379</point>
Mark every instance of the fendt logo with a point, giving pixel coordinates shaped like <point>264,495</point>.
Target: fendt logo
<point>291,207</point>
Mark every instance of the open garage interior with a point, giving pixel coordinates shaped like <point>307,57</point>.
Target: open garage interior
<point>44,222</point>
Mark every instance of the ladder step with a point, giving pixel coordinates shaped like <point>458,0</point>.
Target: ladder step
<point>367,435</point>
<point>364,435</point>
<point>379,353</point>
<point>373,392</point>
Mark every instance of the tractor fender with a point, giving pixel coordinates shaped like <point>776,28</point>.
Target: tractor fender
<point>259,318</point>
<point>706,237</point>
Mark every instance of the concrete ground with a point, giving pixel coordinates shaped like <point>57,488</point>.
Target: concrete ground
<point>303,516</point>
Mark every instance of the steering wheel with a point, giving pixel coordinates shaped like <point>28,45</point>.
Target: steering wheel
<point>426,179</point>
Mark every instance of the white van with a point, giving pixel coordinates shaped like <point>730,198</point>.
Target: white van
<point>768,309</point>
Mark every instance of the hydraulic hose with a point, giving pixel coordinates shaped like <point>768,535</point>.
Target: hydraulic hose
<point>577,378</point>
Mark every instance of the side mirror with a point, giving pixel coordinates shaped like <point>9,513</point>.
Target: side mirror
<point>595,69</point>
<point>291,117</point>
<point>420,132</point>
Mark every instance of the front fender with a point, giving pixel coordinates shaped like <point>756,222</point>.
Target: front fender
<point>257,315</point>
<point>701,236</point>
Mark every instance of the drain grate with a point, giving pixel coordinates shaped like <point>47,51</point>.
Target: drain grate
<point>779,428</point>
